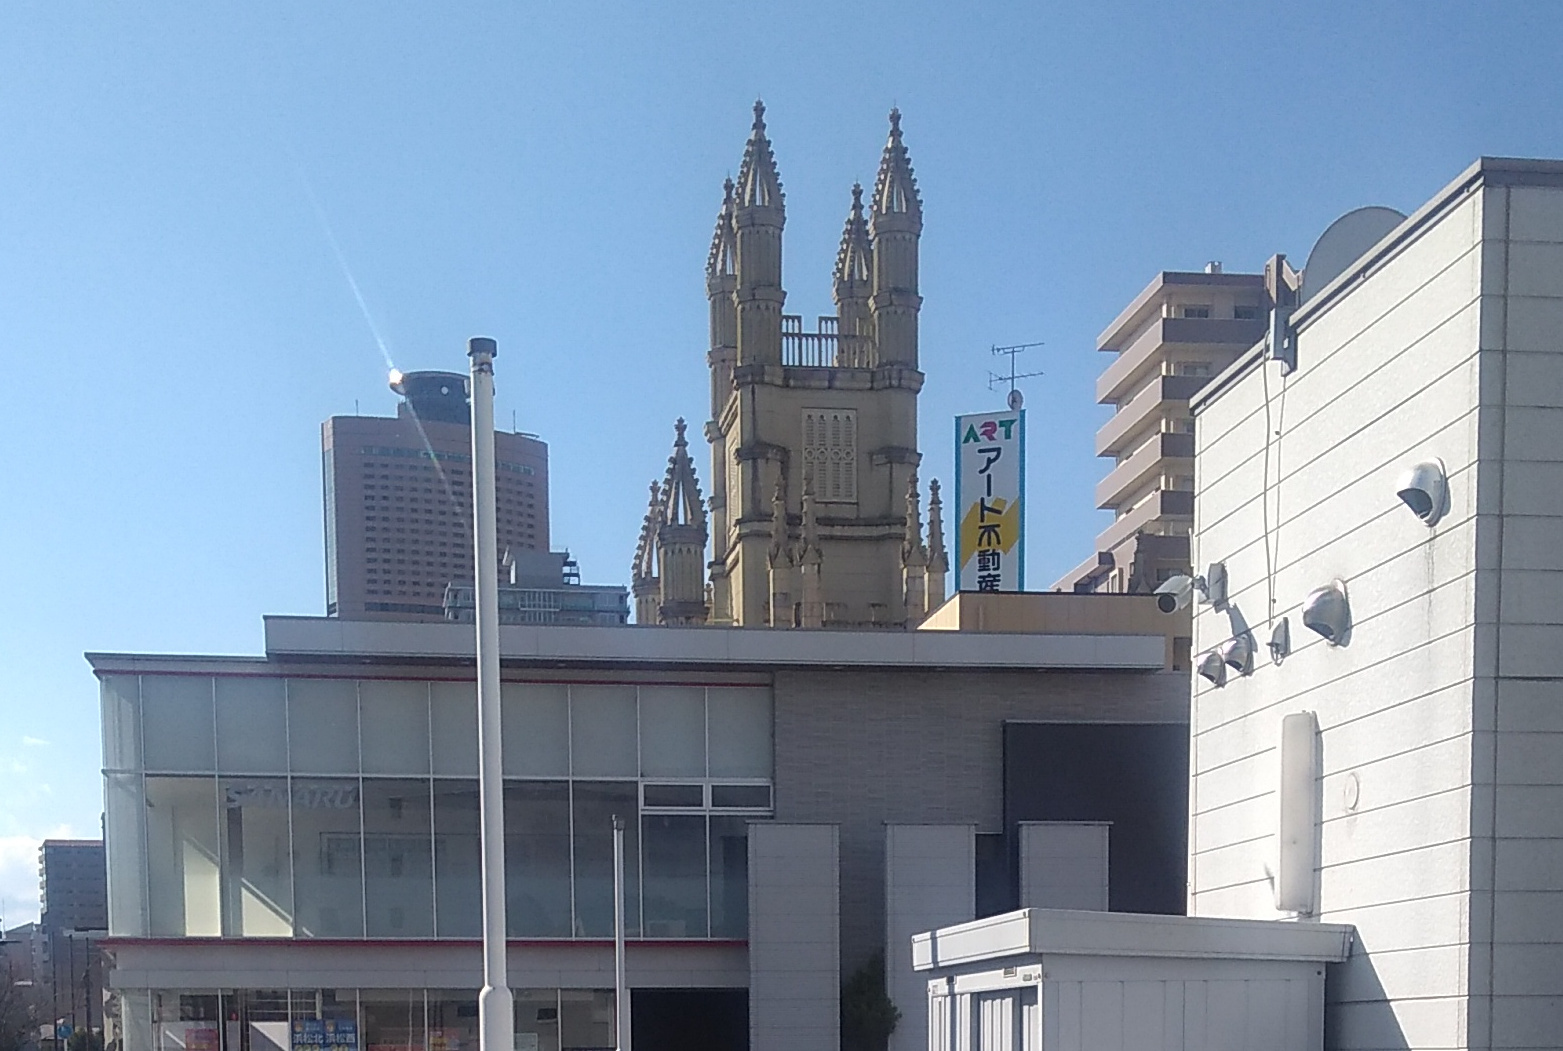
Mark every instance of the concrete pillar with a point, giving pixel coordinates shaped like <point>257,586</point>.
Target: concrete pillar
<point>1063,865</point>
<point>930,882</point>
<point>795,937</point>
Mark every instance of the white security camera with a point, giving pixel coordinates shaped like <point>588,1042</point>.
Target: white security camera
<point>1177,592</point>
<point>1327,612</point>
<point>1212,667</point>
<point>1425,489</point>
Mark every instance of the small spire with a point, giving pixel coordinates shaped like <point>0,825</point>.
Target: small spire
<point>780,546</point>
<point>759,184</point>
<point>912,550</point>
<point>938,558</point>
<point>722,260</point>
<point>810,551</point>
<point>682,503</point>
<point>645,565</point>
<point>854,259</point>
<point>895,188</point>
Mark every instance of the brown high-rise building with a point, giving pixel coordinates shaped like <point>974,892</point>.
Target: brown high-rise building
<point>398,496</point>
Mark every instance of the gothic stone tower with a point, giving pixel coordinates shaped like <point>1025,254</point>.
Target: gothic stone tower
<point>825,420</point>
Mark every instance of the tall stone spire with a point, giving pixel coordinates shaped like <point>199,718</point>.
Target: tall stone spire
<point>811,610</point>
<point>914,559</point>
<point>938,557</point>
<point>853,286</point>
<point>896,225</point>
<point>721,281</point>
<point>759,185</point>
<point>781,560</point>
<point>759,213</point>
<point>681,539</point>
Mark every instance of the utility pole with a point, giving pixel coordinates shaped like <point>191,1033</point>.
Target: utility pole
<point>496,1005</point>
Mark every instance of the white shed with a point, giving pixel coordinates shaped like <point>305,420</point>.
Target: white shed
<point>1056,980</point>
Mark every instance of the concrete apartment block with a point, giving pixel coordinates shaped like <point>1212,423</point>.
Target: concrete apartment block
<point>930,882</point>
<point>1063,864</point>
<point>1440,780</point>
<point>794,943</point>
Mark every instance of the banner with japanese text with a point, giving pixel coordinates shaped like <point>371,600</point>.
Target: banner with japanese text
<point>990,494</point>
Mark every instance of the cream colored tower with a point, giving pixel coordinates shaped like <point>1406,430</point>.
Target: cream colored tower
<point>830,413</point>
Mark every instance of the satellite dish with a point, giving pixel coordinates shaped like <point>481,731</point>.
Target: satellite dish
<point>1015,401</point>
<point>1347,240</point>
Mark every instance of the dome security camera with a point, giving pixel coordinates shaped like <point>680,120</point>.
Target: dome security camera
<point>1327,612</point>
<point>1425,489</point>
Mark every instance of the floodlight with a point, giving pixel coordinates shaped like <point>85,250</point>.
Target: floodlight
<point>1280,643</point>
<point>1327,612</point>
<point>1238,653</point>
<point>1425,489</point>
<point>1212,667</point>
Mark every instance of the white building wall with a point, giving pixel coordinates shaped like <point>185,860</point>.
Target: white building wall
<point>1296,487</point>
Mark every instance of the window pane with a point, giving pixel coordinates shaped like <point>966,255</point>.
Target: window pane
<point>124,809</point>
<point>182,852</point>
<point>537,858</point>
<point>327,859</point>
<point>398,859</point>
<point>586,1017</point>
<point>453,1020</point>
<point>729,877</point>
<point>392,1019</point>
<point>458,884</point>
<point>674,847</point>
<point>454,719</point>
<point>675,795</point>
<point>740,732</point>
<point>673,731</point>
<point>602,731</point>
<point>323,726</point>
<point>537,1019</point>
<point>395,726</point>
<point>251,726</point>
<point>536,729</point>
<point>257,859</point>
<point>746,797</point>
<point>595,804</point>
<point>176,722</point>
<point>121,722</point>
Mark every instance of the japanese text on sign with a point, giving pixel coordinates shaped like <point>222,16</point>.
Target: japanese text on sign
<point>990,484</point>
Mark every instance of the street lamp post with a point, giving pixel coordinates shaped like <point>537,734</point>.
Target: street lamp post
<point>496,1013</point>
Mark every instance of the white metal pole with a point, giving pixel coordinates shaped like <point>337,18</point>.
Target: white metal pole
<point>621,993</point>
<point>496,1014</point>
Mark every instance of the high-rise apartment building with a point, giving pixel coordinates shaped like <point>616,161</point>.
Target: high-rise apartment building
<point>398,501</point>
<point>73,885</point>
<point>1182,329</point>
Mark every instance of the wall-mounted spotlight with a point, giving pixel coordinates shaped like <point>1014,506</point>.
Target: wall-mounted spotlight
<point>1280,643</point>
<point>1238,653</point>
<point>1425,489</point>
<point>1214,668</point>
<point>1327,612</point>
<point>1177,592</point>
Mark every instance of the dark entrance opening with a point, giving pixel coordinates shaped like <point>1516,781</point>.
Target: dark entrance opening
<point>690,1019</point>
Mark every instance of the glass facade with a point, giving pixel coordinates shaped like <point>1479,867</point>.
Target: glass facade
<point>358,1019</point>
<point>254,806</point>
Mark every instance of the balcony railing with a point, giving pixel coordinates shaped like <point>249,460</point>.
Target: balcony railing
<point>826,347</point>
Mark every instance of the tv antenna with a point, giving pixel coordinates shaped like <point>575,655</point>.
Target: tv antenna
<point>1015,400</point>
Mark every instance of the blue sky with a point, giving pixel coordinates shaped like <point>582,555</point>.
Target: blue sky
<point>186,188</point>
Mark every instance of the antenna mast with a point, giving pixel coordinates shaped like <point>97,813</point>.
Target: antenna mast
<point>1015,400</point>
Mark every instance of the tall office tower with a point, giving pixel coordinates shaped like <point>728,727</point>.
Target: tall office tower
<point>813,434</point>
<point>1181,330</point>
<point>398,501</point>
<point>72,885</point>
